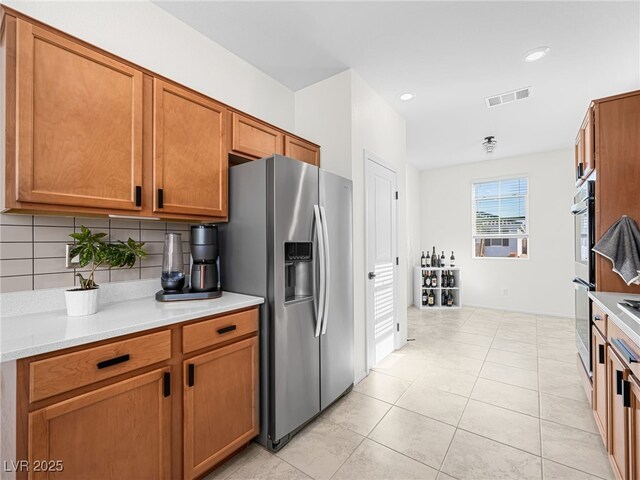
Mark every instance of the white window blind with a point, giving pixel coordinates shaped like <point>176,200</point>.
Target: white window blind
<point>501,217</point>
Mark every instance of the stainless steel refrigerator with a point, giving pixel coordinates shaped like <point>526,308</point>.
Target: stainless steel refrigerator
<point>289,239</point>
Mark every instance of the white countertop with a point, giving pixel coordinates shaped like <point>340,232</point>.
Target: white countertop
<point>608,301</point>
<point>40,332</point>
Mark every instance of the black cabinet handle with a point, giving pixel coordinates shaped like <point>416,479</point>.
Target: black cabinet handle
<point>597,318</point>
<point>138,196</point>
<point>626,393</point>
<point>619,380</point>
<point>228,329</point>
<point>113,361</point>
<point>191,374</point>
<point>626,352</point>
<point>580,171</point>
<point>160,198</point>
<point>601,354</point>
<point>166,385</point>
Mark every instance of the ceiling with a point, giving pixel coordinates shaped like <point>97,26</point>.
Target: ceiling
<point>451,55</point>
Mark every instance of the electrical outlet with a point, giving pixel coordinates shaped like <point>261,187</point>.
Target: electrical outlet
<point>71,262</point>
<point>505,292</point>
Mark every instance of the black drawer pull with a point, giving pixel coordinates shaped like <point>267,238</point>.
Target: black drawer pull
<point>166,384</point>
<point>138,196</point>
<point>160,198</point>
<point>601,354</point>
<point>191,375</point>
<point>626,393</point>
<point>113,361</point>
<point>619,380</point>
<point>626,352</point>
<point>597,318</point>
<point>228,329</point>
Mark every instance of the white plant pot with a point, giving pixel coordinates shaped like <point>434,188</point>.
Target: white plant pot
<point>81,302</point>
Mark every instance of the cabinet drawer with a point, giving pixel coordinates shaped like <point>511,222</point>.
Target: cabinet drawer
<point>624,347</point>
<point>217,330</point>
<point>63,373</point>
<point>599,318</point>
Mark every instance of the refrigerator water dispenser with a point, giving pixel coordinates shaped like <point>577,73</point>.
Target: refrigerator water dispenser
<point>298,271</point>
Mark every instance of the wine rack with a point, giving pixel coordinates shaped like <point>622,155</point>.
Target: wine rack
<point>418,287</point>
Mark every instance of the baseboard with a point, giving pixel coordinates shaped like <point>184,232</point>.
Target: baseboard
<point>359,377</point>
<point>528,312</point>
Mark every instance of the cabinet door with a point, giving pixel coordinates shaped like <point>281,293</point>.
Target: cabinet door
<point>252,138</point>
<point>220,404</point>
<point>617,419</point>
<point>190,161</point>
<point>579,155</point>
<point>599,362</point>
<point>301,150</point>
<point>634,429</point>
<point>79,123</point>
<point>589,147</point>
<point>119,431</point>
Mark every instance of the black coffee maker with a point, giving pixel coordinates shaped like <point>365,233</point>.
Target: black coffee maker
<point>204,270</point>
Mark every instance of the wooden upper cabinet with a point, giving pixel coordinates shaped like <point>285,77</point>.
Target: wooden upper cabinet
<point>579,156</point>
<point>589,144</point>
<point>254,139</point>
<point>301,150</point>
<point>220,404</point>
<point>79,124</point>
<point>190,163</point>
<point>118,431</point>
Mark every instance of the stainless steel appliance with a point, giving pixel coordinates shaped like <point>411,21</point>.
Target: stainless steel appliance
<point>583,211</point>
<point>289,239</point>
<point>204,270</point>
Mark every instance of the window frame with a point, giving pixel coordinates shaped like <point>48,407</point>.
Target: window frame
<point>527,216</point>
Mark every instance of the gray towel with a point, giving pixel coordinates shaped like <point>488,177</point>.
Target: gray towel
<point>621,245</point>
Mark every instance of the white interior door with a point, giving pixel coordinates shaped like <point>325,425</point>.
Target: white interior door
<point>380,190</point>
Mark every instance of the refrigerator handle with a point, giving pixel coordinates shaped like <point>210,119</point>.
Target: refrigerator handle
<point>327,276</point>
<point>319,233</point>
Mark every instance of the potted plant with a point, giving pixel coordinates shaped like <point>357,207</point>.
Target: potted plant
<point>91,249</point>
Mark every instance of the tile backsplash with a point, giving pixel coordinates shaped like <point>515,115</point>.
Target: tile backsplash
<point>32,249</point>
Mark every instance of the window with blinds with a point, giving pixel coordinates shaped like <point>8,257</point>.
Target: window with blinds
<point>500,219</point>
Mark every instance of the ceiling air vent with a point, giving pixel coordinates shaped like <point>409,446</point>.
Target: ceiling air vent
<point>507,97</point>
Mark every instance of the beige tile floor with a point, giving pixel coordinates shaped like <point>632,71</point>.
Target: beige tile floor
<point>480,394</point>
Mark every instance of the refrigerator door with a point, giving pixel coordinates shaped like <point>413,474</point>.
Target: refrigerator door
<point>336,342</point>
<point>294,348</point>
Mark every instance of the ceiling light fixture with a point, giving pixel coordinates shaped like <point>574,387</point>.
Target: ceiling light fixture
<point>536,54</point>
<point>405,97</point>
<point>489,144</point>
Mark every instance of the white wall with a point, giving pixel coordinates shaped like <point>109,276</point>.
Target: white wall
<point>541,284</point>
<point>347,117</point>
<point>143,33</point>
<point>413,222</point>
<point>323,115</point>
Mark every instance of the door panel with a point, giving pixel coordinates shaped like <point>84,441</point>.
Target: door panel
<point>381,252</point>
<point>336,344</point>
<point>599,360</point>
<point>301,150</point>
<point>80,124</point>
<point>617,419</point>
<point>93,435</point>
<point>634,430</point>
<point>253,138</point>
<point>295,351</point>
<point>190,159</point>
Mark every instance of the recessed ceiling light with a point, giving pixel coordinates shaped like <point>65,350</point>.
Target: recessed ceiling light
<point>536,54</point>
<point>405,97</point>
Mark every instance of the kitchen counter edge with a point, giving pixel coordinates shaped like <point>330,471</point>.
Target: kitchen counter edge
<point>608,301</point>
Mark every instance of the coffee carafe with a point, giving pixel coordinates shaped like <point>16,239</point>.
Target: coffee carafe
<point>204,250</point>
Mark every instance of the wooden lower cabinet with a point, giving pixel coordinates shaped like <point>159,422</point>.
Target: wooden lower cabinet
<point>634,429</point>
<point>617,375</point>
<point>119,431</point>
<point>599,397</point>
<point>220,404</point>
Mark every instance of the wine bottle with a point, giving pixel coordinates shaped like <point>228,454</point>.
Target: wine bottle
<point>432,298</point>
<point>445,278</point>
<point>423,260</point>
<point>424,298</point>
<point>443,260</point>
<point>426,280</point>
<point>450,299</point>
<point>452,281</point>
<point>427,259</point>
<point>434,258</point>
<point>434,279</point>
<point>452,262</point>
<point>443,298</point>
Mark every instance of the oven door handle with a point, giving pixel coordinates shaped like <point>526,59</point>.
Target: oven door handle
<point>579,209</point>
